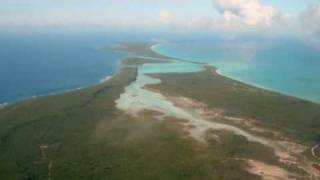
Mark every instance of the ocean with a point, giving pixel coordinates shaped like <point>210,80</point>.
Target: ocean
<point>285,65</point>
<point>44,63</point>
<point>33,64</point>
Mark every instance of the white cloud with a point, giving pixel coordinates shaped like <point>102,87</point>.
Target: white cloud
<point>310,20</point>
<point>309,24</point>
<point>70,18</point>
<point>236,15</point>
<point>222,15</point>
<point>239,14</point>
<point>165,15</point>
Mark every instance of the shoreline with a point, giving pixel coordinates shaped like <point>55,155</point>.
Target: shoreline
<point>261,87</point>
<point>153,49</point>
<point>107,77</point>
<point>3,105</point>
<point>122,112</point>
<point>264,88</point>
<point>55,93</point>
<point>138,98</point>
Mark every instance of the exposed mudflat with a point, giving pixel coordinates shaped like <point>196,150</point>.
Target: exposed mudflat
<point>267,172</point>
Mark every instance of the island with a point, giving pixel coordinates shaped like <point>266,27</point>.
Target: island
<point>159,117</point>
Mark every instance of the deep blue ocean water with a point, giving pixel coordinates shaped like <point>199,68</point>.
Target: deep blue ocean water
<point>287,65</point>
<point>33,64</point>
<point>39,64</point>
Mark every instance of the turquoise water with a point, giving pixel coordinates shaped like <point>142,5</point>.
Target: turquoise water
<point>283,65</point>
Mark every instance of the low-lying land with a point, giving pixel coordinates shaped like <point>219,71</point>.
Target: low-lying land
<point>83,135</point>
<point>296,118</point>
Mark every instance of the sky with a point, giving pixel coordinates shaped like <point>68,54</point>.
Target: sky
<point>289,16</point>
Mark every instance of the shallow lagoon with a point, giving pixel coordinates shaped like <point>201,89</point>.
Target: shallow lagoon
<point>137,99</point>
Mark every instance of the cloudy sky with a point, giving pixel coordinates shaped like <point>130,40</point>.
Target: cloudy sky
<point>209,15</point>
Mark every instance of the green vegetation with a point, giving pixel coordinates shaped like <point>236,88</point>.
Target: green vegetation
<point>64,123</point>
<point>81,135</point>
<point>297,118</point>
<point>142,48</point>
<point>139,61</point>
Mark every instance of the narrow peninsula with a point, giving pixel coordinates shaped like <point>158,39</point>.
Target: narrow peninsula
<point>161,118</point>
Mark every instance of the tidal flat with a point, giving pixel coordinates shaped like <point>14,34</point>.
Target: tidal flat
<point>161,118</point>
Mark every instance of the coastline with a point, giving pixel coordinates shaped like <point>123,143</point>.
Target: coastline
<point>55,93</point>
<point>153,49</point>
<point>171,94</point>
<point>267,88</point>
<point>67,125</point>
<point>283,93</point>
<point>52,132</point>
<point>218,71</point>
<point>3,105</point>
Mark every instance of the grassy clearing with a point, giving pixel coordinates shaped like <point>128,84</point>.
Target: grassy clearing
<point>297,118</point>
